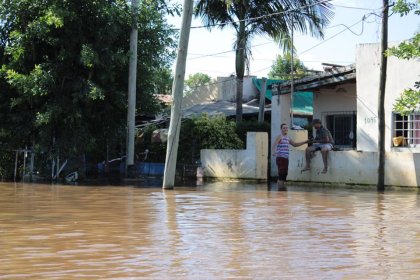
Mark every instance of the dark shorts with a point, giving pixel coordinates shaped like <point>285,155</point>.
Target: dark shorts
<point>282,167</point>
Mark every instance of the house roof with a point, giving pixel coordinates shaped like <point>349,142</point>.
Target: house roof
<point>331,77</point>
<point>217,108</point>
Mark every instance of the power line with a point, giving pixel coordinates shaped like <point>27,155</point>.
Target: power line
<point>259,17</point>
<point>213,54</point>
<point>266,43</point>
<point>333,36</point>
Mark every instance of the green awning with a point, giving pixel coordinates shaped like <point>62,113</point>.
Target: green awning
<point>302,102</point>
<point>268,93</point>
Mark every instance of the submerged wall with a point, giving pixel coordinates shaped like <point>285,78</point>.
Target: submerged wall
<point>246,164</point>
<point>353,167</point>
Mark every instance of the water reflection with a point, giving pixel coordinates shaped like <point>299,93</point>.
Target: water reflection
<point>220,230</point>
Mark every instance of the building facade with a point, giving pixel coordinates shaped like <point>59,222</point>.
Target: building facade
<point>346,100</point>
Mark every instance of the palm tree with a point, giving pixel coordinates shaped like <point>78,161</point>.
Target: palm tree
<point>275,18</point>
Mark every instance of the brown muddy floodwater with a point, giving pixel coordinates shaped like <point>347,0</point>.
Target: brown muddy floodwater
<point>219,231</point>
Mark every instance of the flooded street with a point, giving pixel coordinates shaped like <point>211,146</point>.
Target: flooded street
<point>219,231</point>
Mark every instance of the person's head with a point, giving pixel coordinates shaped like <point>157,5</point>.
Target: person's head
<point>317,123</point>
<point>284,128</point>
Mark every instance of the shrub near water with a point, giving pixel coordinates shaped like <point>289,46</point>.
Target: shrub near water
<point>206,132</point>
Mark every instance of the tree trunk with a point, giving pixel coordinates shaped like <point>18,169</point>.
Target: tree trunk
<point>240,69</point>
<point>132,77</point>
<point>381,99</point>
<point>177,91</point>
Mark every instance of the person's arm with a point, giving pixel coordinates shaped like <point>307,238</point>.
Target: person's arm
<point>297,144</point>
<point>273,148</point>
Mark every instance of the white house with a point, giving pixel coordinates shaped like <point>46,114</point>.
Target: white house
<point>346,100</point>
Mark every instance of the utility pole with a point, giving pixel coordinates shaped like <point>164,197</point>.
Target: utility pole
<point>292,81</point>
<point>132,78</point>
<point>177,91</point>
<point>262,100</point>
<point>381,98</point>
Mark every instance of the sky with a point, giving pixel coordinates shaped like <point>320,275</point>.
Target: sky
<point>336,49</point>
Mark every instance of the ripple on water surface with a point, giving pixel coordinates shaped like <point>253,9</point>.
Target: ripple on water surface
<point>221,230</point>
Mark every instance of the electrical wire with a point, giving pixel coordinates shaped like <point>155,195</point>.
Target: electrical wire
<point>259,17</point>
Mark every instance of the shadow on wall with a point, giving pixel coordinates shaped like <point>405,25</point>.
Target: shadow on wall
<point>365,142</point>
<point>202,94</point>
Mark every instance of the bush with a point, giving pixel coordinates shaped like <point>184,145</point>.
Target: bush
<point>251,126</point>
<point>206,132</point>
<point>7,161</point>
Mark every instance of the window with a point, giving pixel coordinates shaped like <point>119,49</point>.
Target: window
<point>343,128</point>
<point>407,127</point>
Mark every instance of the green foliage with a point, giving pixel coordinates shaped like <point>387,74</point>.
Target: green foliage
<point>203,132</point>
<point>406,50</point>
<point>404,7</point>
<point>64,69</point>
<point>251,126</point>
<point>249,19</point>
<point>195,81</point>
<point>281,68</point>
<point>409,101</point>
<point>206,132</point>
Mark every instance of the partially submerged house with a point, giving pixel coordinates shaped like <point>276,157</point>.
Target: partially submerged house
<point>346,100</point>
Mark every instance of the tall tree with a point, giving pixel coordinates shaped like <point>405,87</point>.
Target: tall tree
<point>409,100</point>
<point>64,71</point>
<point>275,18</point>
<point>281,68</point>
<point>195,81</point>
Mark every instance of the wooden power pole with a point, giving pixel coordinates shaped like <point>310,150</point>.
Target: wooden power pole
<point>381,98</point>
<point>132,78</point>
<point>177,92</point>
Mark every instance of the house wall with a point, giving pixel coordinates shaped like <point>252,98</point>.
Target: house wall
<point>247,164</point>
<point>341,98</point>
<point>201,95</point>
<point>353,167</point>
<point>227,89</point>
<point>401,74</point>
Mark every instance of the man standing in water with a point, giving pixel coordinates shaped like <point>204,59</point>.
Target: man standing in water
<point>281,152</point>
<point>323,141</point>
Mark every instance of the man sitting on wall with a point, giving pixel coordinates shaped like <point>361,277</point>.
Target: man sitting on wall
<point>323,142</point>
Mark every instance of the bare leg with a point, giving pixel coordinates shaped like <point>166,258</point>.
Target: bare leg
<point>324,153</point>
<point>280,185</point>
<point>308,157</point>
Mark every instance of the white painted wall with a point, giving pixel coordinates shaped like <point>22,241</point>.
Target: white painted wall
<point>227,89</point>
<point>200,95</point>
<point>401,74</point>
<point>341,98</point>
<point>247,164</point>
<point>353,167</point>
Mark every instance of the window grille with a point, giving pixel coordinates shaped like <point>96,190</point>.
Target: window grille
<point>407,127</point>
<point>342,125</point>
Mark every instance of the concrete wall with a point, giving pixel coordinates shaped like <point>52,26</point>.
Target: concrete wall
<point>227,89</point>
<point>353,167</point>
<point>247,164</point>
<point>401,74</point>
<point>201,95</point>
<point>338,99</point>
